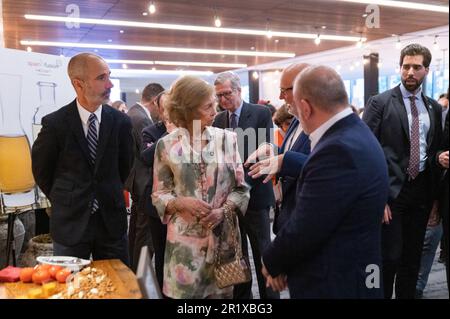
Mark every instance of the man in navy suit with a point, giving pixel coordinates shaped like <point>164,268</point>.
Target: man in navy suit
<point>81,159</point>
<point>331,247</point>
<point>408,126</point>
<point>256,120</point>
<point>293,152</point>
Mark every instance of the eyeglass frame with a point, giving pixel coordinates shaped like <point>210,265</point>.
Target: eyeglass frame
<point>284,90</point>
<point>226,95</point>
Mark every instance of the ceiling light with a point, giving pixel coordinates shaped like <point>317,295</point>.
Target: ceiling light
<point>29,49</point>
<point>359,44</point>
<point>121,31</point>
<point>156,49</point>
<point>136,91</point>
<point>195,28</point>
<point>435,44</point>
<point>255,75</point>
<point>269,34</point>
<point>144,13</point>
<point>124,66</point>
<point>217,22</point>
<point>403,5</point>
<point>125,72</point>
<point>183,63</point>
<point>206,64</point>
<point>398,44</point>
<point>317,40</point>
<point>152,8</point>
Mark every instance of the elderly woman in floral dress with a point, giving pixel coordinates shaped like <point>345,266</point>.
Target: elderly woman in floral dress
<point>198,184</point>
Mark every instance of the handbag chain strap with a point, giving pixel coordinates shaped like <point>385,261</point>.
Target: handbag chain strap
<point>237,247</point>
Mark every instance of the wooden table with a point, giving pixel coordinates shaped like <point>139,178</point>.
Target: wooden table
<point>122,277</point>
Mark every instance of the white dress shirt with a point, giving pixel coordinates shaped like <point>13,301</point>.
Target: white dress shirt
<point>84,115</point>
<point>321,130</point>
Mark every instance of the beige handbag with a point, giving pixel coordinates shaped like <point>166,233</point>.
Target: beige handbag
<point>236,271</point>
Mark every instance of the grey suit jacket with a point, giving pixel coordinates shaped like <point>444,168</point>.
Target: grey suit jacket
<point>140,173</point>
<point>256,117</point>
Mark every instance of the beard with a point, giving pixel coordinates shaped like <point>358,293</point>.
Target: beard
<point>412,84</point>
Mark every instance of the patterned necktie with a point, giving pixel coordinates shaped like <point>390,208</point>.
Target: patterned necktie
<point>414,155</point>
<point>233,121</point>
<point>92,145</point>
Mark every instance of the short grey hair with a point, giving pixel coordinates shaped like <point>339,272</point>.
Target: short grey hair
<point>78,64</point>
<point>228,76</point>
<point>322,87</point>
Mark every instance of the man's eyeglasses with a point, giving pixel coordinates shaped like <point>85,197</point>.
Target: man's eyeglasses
<point>284,90</point>
<point>226,95</point>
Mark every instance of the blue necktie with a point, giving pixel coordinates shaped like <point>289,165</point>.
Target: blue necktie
<point>92,145</point>
<point>233,121</point>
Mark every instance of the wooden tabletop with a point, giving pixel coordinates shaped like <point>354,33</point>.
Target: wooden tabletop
<point>122,277</point>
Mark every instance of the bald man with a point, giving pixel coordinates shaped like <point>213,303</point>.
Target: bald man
<point>293,152</point>
<point>330,247</point>
<point>81,159</point>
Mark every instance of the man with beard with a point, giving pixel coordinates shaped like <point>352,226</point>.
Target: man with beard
<point>407,124</point>
<point>80,160</point>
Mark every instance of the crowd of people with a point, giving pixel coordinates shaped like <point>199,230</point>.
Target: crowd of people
<point>352,197</point>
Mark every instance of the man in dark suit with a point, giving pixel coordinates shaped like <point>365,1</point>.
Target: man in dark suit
<point>407,124</point>
<point>330,245</point>
<point>142,115</point>
<point>253,124</point>
<point>80,160</point>
<point>150,136</point>
<point>443,160</point>
<point>296,144</point>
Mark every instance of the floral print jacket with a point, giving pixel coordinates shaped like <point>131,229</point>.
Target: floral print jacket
<point>215,176</point>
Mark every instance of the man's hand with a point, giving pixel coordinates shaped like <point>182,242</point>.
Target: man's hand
<point>270,166</point>
<point>434,218</point>
<point>387,217</point>
<point>443,159</point>
<point>264,151</point>
<point>278,283</point>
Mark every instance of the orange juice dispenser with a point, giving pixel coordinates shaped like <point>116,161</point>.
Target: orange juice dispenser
<point>16,177</point>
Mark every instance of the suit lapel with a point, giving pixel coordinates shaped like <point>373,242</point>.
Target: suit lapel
<point>400,108</point>
<point>430,111</point>
<point>291,129</point>
<point>77,128</point>
<point>104,134</point>
<point>244,117</point>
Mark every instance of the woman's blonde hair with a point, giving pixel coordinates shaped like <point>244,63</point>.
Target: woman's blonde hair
<point>185,97</point>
